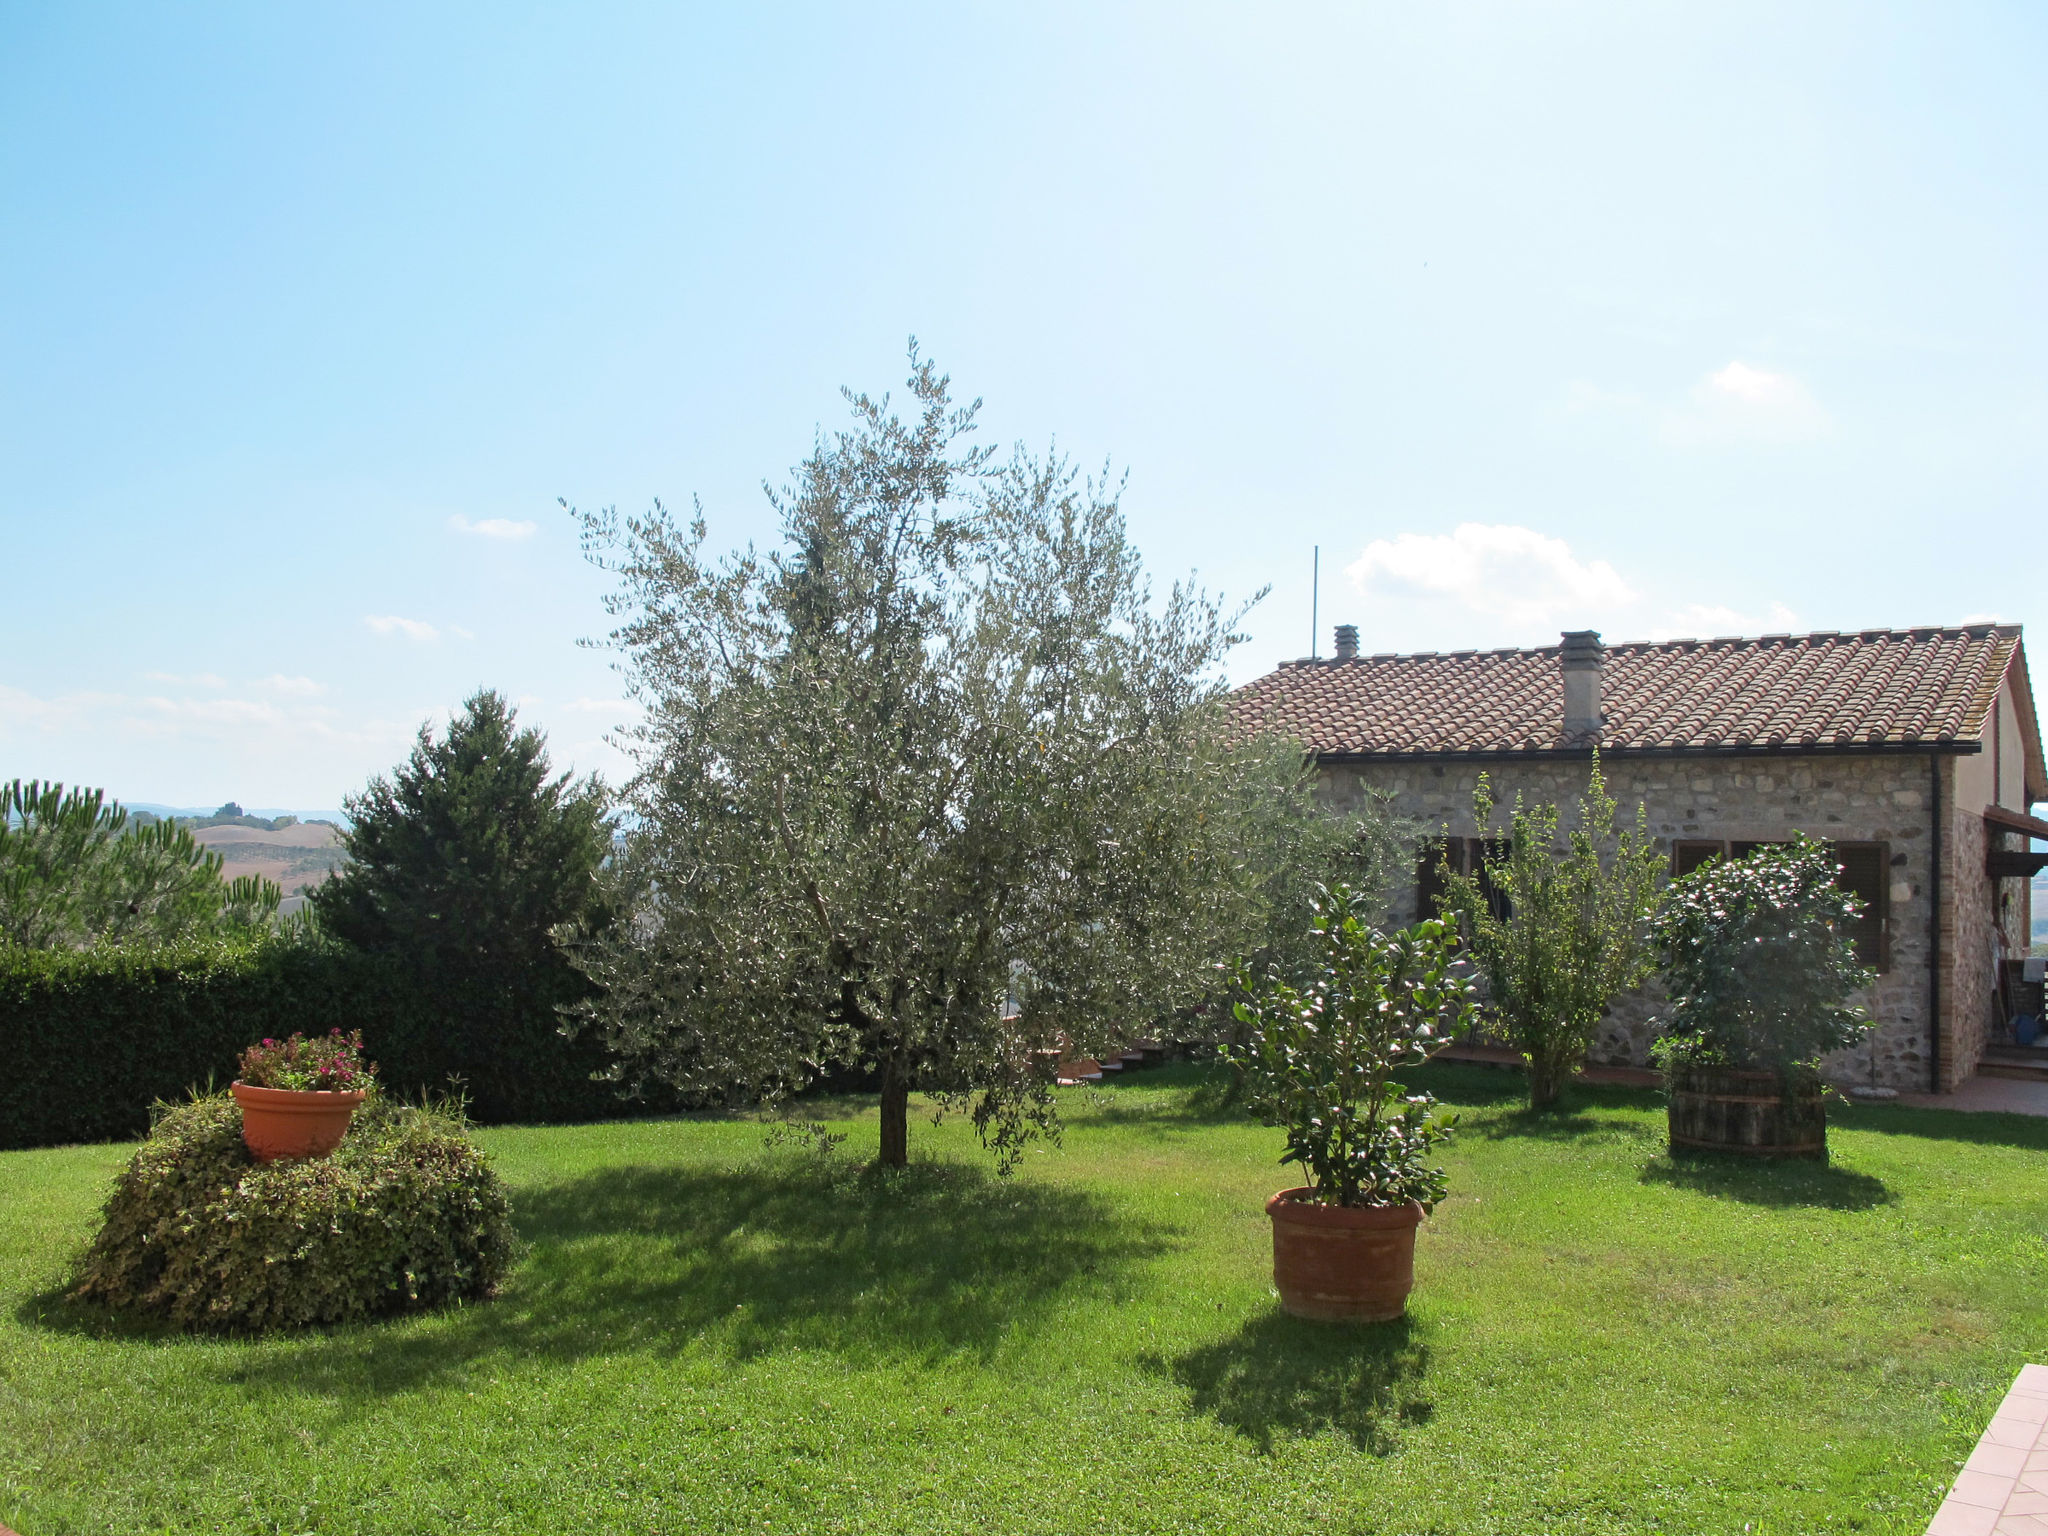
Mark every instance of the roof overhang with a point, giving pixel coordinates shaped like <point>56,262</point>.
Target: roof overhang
<point>2036,774</point>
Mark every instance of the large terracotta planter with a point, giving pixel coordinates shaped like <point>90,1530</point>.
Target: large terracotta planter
<point>1337,1263</point>
<point>288,1122</point>
<point>1730,1109</point>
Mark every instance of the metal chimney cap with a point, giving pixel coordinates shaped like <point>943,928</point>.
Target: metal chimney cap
<point>1347,642</point>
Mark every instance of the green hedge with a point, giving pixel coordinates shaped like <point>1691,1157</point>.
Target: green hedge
<point>90,1039</point>
<point>406,1214</point>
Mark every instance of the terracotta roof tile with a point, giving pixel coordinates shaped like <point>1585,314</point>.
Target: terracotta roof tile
<point>1821,690</point>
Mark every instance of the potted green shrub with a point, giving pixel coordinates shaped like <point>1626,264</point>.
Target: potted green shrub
<point>297,1095</point>
<point>1318,1058</point>
<point>1760,969</point>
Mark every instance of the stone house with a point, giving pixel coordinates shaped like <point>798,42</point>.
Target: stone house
<point>1915,752</point>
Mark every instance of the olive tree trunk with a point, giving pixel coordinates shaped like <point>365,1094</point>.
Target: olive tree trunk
<point>895,1152</point>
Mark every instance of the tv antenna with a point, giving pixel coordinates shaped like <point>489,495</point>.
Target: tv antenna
<point>1315,595</point>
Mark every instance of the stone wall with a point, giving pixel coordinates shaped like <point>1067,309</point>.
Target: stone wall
<point>1987,919</point>
<point>1852,799</point>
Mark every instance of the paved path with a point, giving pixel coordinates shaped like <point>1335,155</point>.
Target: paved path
<point>2004,1095</point>
<point>1999,1095</point>
<point>2003,1487</point>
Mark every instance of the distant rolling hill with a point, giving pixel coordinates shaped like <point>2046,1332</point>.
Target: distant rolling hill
<point>296,857</point>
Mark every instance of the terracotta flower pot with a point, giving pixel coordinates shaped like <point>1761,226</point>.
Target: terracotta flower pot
<point>288,1122</point>
<point>1338,1263</point>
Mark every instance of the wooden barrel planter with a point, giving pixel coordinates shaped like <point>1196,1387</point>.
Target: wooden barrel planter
<point>1730,1109</point>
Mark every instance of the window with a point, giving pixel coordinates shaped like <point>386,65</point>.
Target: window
<point>1865,872</point>
<point>1466,856</point>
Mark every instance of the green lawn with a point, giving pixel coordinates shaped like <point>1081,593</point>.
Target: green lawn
<point>710,1336</point>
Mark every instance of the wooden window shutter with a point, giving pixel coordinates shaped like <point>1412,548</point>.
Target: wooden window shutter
<point>1865,872</point>
<point>1688,854</point>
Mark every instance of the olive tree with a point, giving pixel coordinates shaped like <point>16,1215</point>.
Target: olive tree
<point>936,789</point>
<point>1558,924</point>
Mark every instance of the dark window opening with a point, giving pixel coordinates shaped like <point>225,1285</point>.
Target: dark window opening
<point>1744,850</point>
<point>1429,874</point>
<point>1478,850</point>
<point>1689,854</point>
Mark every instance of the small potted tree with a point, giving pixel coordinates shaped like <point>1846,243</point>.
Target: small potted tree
<point>298,1095</point>
<point>1318,1059</point>
<point>1760,968</point>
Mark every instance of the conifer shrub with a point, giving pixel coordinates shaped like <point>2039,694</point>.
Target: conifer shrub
<point>407,1214</point>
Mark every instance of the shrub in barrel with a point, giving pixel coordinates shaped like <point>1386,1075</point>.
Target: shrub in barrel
<point>1760,968</point>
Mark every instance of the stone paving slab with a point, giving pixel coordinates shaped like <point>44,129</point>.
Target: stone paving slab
<point>2003,1487</point>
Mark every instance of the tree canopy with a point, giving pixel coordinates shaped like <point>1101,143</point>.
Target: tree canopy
<point>936,789</point>
<point>461,865</point>
<point>75,871</point>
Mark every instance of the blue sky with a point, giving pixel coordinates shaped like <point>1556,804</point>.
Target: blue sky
<point>1662,319</point>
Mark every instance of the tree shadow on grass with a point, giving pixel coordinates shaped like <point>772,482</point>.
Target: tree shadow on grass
<point>1280,1376</point>
<point>1183,1096</point>
<point>1466,1084</point>
<point>1569,1119</point>
<point>1780,1182</point>
<point>798,1253</point>
<point>1985,1127</point>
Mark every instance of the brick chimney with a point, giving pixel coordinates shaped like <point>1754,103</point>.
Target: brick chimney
<point>1347,642</point>
<point>1581,657</point>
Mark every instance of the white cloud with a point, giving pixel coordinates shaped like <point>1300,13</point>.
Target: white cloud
<point>1755,386</point>
<point>217,711</point>
<point>297,687</point>
<point>282,740</point>
<point>192,748</point>
<point>1710,621</point>
<point>392,624</point>
<point>1498,570</point>
<point>1738,402</point>
<point>494,527</point>
<point>1502,584</point>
